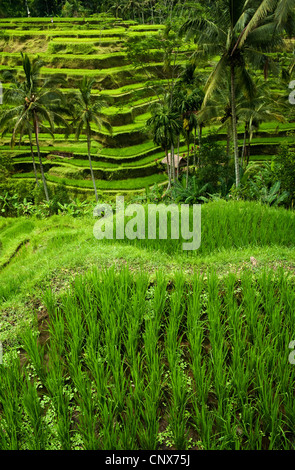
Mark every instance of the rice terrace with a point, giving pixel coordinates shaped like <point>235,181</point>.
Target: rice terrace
<point>165,323</point>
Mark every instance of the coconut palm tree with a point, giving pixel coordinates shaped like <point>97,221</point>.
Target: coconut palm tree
<point>265,106</point>
<point>165,126</point>
<point>239,32</point>
<point>32,105</point>
<point>25,130</point>
<point>28,130</point>
<point>86,113</point>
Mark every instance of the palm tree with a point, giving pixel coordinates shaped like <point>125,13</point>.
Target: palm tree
<point>264,106</point>
<point>32,105</point>
<point>165,126</point>
<point>239,32</point>
<point>27,129</point>
<point>87,112</point>
<point>73,8</point>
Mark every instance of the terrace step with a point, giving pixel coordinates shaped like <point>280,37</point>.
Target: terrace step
<point>103,185</point>
<point>64,170</point>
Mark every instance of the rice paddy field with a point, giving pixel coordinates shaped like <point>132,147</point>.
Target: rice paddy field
<point>95,47</point>
<point>135,345</point>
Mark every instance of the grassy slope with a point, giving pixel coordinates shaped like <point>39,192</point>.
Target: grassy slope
<point>36,254</point>
<point>127,120</point>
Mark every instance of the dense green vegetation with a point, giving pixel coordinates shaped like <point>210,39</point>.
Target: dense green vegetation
<point>189,347</point>
<point>131,98</point>
<point>132,342</point>
<point>129,352</point>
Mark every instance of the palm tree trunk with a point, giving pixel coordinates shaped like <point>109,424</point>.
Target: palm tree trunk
<point>90,163</point>
<point>195,143</point>
<point>199,128</point>
<point>168,169</point>
<point>248,150</point>
<point>36,127</point>
<point>178,145</point>
<point>244,144</point>
<point>229,138</point>
<point>152,13</point>
<point>187,163</point>
<point>234,124</point>
<point>200,143</point>
<point>34,163</point>
<point>172,163</point>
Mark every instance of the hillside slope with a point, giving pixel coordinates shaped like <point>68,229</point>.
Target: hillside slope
<point>127,160</point>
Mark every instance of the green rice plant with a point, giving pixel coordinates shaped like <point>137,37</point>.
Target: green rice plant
<point>237,336</point>
<point>59,394</point>
<point>179,398</point>
<point>217,338</point>
<point>112,301</point>
<point>10,399</point>
<point>75,330</point>
<point>56,326</point>
<point>155,308</point>
<point>250,425</point>
<point>205,423</point>
<point>196,336</point>
<point>35,352</point>
<point>118,381</point>
<point>268,403</point>
<point>134,318</point>
<point>86,403</point>
<point>110,427</point>
<point>37,434</point>
<point>148,435</point>
<point>203,351</point>
<point>203,419</point>
<point>130,425</point>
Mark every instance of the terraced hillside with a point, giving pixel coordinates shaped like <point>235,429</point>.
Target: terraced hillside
<point>126,160</point>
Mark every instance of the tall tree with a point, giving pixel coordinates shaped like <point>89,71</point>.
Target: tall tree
<point>88,112</point>
<point>239,32</point>
<point>165,126</point>
<point>33,105</point>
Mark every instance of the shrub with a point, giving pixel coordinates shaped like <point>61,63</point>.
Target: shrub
<point>6,167</point>
<point>215,168</point>
<point>194,193</point>
<point>285,171</point>
<point>8,204</point>
<point>260,183</point>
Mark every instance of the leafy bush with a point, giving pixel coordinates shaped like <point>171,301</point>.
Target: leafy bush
<point>75,208</point>
<point>8,204</point>
<point>194,193</point>
<point>6,167</point>
<point>260,183</point>
<point>285,161</point>
<point>215,169</point>
<point>154,194</point>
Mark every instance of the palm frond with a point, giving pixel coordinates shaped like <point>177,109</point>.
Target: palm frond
<point>215,78</point>
<point>283,11</point>
<point>260,14</point>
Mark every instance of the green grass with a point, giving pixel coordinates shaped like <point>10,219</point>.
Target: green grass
<point>128,151</point>
<point>136,344</point>
<point>207,357</point>
<point>79,163</point>
<point>70,32</point>
<point>231,233</point>
<point>75,41</point>
<point>103,19</point>
<point>126,184</point>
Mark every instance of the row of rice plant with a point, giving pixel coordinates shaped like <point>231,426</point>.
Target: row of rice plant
<point>224,225</point>
<point>135,364</point>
